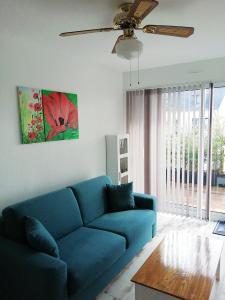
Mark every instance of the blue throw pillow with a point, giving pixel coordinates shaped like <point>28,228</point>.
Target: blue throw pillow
<point>39,238</point>
<point>120,197</point>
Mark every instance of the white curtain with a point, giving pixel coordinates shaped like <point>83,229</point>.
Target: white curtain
<point>169,146</point>
<point>135,128</point>
<point>155,164</point>
<point>144,125</point>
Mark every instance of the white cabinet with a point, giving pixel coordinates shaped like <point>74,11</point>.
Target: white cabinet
<point>117,159</point>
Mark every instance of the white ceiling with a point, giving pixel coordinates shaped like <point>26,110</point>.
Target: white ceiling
<point>43,20</point>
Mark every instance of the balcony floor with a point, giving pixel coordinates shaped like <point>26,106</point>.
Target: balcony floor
<point>218,199</point>
<point>190,197</point>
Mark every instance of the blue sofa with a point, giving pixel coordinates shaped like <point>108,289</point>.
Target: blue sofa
<point>94,245</point>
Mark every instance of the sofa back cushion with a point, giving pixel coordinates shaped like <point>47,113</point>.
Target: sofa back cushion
<point>58,211</point>
<point>91,197</point>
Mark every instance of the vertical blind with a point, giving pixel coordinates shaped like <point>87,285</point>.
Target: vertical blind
<point>187,117</point>
<point>178,130</point>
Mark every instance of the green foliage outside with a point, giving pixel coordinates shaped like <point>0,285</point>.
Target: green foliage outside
<point>218,143</point>
<point>218,146</point>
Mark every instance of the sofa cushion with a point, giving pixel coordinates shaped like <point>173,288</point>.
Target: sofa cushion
<point>120,197</point>
<point>39,238</point>
<point>88,253</point>
<point>92,198</point>
<point>57,211</point>
<point>131,224</point>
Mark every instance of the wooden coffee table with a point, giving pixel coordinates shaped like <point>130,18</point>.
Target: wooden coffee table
<point>183,266</point>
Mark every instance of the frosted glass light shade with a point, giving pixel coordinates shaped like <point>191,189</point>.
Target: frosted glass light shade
<point>129,48</point>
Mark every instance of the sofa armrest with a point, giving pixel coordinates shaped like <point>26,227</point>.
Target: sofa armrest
<point>26,274</point>
<point>145,201</point>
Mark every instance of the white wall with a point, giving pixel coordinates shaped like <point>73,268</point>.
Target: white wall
<point>29,170</point>
<point>200,71</point>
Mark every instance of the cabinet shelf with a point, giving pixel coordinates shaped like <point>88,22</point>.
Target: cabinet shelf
<point>124,174</point>
<point>123,155</point>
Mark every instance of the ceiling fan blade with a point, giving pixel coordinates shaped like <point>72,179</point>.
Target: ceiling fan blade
<point>141,8</point>
<point>86,31</point>
<point>179,31</point>
<point>117,41</point>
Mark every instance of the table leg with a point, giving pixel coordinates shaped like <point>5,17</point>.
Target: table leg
<point>218,271</point>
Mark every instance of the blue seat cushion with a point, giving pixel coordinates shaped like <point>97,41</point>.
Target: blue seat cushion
<point>88,253</point>
<point>58,211</point>
<point>131,224</point>
<point>91,197</point>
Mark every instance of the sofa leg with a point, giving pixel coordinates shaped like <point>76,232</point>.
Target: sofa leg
<point>154,228</point>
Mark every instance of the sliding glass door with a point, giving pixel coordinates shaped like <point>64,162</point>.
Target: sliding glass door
<point>177,138</point>
<point>186,145</point>
<point>195,151</point>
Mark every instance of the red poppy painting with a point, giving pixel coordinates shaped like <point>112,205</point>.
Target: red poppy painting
<point>47,115</point>
<point>60,113</point>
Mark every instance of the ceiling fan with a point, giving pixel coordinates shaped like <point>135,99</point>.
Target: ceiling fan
<point>128,19</point>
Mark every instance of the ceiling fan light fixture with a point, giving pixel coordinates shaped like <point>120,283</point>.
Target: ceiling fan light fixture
<point>129,48</point>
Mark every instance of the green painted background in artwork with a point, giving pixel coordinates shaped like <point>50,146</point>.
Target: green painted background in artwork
<point>69,133</point>
<point>25,96</point>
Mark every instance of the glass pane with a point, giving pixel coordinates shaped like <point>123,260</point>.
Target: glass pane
<point>124,179</point>
<point>123,146</point>
<point>124,164</point>
<point>186,134</point>
<point>218,151</point>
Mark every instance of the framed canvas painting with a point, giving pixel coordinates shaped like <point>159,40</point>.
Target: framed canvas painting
<point>31,113</point>
<point>47,115</point>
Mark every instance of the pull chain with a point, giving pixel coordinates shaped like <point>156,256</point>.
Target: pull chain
<point>138,69</point>
<point>130,72</point>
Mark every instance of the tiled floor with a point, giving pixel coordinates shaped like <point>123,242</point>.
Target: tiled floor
<point>122,288</point>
